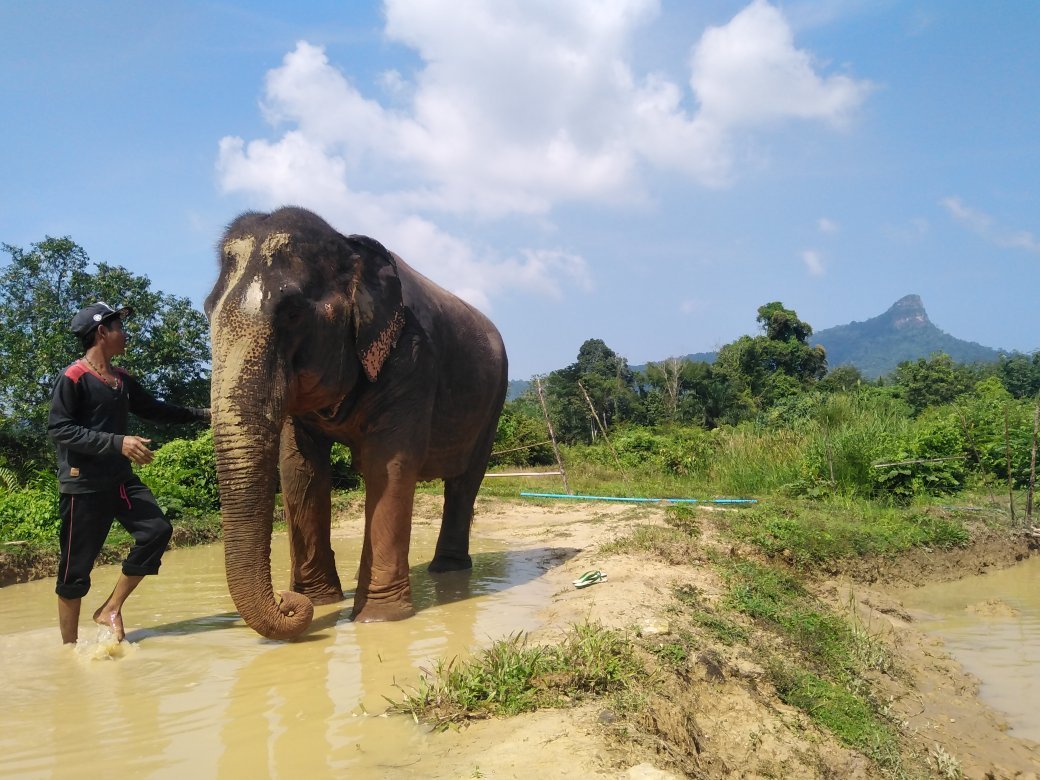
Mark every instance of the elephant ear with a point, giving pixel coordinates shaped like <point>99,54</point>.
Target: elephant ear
<point>376,302</point>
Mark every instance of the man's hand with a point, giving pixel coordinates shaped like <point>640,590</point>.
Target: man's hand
<point>136,448</point>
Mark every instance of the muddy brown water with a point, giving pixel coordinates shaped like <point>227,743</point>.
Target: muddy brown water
<point>196,693</point>
<point>990,623</point>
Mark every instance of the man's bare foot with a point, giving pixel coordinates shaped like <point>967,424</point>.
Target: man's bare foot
<point>111,620</point>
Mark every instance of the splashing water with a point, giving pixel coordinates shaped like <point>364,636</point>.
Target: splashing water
<point>104,647</point>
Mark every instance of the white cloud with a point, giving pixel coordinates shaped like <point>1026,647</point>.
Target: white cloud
<point>749,73</point>
<point>827,225</point>
<point>987,228</point>
<point>813,262</point>
<point>516,109</point>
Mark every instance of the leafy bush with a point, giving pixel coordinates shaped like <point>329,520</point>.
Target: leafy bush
<point>31,513</point>
<point>183,476</point>
<point>521,440</point>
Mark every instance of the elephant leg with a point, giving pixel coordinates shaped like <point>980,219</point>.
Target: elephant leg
<point>307,492</point>
<point>460,493</point>
<point>384,589</point>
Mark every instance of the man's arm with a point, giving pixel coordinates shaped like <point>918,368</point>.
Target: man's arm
<point>144,404</point>
<point>63,427</point>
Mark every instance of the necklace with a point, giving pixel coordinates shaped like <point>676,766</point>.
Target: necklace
<point>113,383</point>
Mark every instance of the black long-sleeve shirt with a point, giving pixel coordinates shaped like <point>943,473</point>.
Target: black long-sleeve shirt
<point>88,421</point>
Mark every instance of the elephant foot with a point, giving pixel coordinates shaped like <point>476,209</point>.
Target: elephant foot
<point>442,563</point>
<point>375,612</point>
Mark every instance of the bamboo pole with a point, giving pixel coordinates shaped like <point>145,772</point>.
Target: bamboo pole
<point>1032,469</point>
<point>1007,454</point>
<point>525,447</point>
<point>603,430</point>
<point>552,434</point>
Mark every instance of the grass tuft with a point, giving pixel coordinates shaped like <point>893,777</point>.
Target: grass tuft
<point>514,676</point>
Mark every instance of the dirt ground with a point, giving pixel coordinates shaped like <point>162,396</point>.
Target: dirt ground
<point>721,717</point>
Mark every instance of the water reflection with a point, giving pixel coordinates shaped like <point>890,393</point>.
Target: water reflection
<point>200,692</point>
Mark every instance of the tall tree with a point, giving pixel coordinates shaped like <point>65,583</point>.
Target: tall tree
<point>937,380</point>
<point>607,379</point>
<point>765,369</point>
<point>41,289</point>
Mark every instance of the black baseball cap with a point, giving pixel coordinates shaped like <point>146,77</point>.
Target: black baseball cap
<point>89,317</point>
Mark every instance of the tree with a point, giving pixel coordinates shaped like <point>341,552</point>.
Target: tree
<point>766,369</point>
<point>686,391</point>
<point>41,289</point>
<point>841,379</point>
<point>1020,374</point>
<point>607,379</point>
<point>937,380</point>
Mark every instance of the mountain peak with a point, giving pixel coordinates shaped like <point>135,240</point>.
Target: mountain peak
<point>904,332</point>
<point>907,312</point>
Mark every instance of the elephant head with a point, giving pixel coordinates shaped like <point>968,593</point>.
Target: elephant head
<point>300,317</point>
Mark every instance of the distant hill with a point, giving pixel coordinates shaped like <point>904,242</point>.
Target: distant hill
<point>875,346</point>
<point>904,332</point>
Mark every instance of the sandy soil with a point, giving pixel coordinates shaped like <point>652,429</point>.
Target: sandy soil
<point>722,719</point>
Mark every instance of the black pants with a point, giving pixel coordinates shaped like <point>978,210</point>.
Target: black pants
<point>85,521</point>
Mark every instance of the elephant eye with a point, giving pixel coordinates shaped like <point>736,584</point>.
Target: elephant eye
<point>292,309</point>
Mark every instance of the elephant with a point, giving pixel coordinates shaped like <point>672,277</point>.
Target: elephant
<point>320,338</point>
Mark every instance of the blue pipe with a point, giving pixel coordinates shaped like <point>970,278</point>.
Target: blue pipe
<point>645,500</point>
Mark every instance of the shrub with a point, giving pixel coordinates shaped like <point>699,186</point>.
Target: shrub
<point>183,476</point>
<point>30,514</point>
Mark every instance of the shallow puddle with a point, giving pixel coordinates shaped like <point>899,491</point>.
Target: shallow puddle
<point>991,625</point>
<point>196,693</point>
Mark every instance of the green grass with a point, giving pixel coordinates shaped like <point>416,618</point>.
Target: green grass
<point>824,675</point>
<point>809,533</point>
<point>514,676</point>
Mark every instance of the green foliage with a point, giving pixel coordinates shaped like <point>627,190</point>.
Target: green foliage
<point>522,438</point>
<point>344,476</point>
<point>183,476</point>
<point>1020,374</point>
<point>845,714</point>
<point>40,291</point>
<point>812,534</point>
<point>776,366</point>
<point>30,513</point>
<point>610,385</point>
<point>513,676</point>
<point>937,380</point>
<point>823,674</point>
<point>847,433</point>
<point>754,460</point>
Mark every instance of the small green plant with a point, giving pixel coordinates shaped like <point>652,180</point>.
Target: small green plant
<point>513,676</point>
<point>718,626</point>
<point>948,767</point>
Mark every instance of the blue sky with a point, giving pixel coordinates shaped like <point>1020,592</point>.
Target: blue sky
<point>647,173</point>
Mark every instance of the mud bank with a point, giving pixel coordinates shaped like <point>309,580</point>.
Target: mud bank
<point>718,716</point>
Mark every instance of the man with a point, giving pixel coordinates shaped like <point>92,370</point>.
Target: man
<point>88,420</point>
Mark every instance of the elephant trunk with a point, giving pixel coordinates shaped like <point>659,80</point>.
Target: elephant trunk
<point>248,413</point>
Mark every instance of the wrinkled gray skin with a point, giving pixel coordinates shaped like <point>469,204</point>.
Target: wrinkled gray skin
<point>319,338</point>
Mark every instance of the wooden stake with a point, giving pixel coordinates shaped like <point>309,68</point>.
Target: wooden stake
<point>603,430</point>
<point>1007,454</point>
<point>552,434</point>
<point>1032,469</point>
